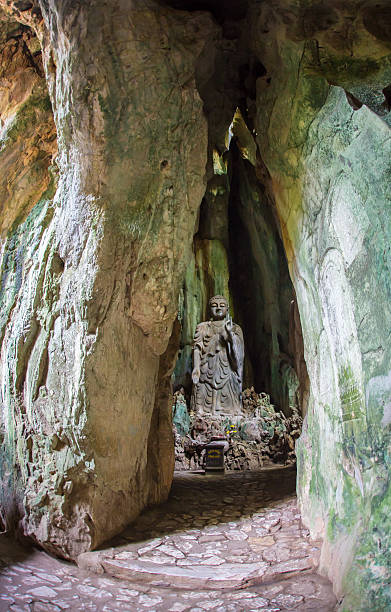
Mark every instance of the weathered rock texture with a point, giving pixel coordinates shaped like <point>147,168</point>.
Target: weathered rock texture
<point>27,132</point>
<point>143,96</point>
<point>92,295</point>
<point>330,165</point>
<point>28,179</point>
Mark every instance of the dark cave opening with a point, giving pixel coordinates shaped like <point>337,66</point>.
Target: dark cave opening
<point>252,293</point>
<point>221,9</point>
<point>237,218</point>
<point>238,247</point>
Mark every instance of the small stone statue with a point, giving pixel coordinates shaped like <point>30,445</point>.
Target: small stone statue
<point>218,354</point>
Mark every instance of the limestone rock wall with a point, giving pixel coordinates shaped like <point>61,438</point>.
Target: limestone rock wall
<point>329,161</point>
<point>262,288</point>
<point>93,314</point>
<point>27,133</point>
<point>27,185</point>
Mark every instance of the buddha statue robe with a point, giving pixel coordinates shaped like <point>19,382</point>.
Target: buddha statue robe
<point>220,355</point>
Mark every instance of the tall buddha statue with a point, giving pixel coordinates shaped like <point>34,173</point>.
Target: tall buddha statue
<point>218,355</point>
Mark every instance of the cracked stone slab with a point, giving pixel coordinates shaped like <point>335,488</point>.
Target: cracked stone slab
<point>229,575</point>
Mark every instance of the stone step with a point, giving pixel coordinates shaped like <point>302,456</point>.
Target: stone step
<point>283,571</point>
<point>228,575</point>
<point>197,576</point>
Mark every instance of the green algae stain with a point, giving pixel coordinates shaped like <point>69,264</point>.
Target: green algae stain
<point>331,529</point>
<point>351,395</point>
<point>21,243</point>
<point>347,69</point>
<point>28,116</point>
<point>22,236</point>
<point>372,565</point>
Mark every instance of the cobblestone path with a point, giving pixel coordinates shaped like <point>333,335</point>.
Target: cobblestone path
<point>221,542</point>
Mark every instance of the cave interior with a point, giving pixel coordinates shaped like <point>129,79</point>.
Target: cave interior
<point>154,154</point>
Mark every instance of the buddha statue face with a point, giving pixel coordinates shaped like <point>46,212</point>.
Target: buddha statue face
<point>218,307</point>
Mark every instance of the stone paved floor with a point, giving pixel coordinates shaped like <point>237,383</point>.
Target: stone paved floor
<point>232,542</point>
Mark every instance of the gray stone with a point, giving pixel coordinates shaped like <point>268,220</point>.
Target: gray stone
<point>211,538</point>
<point>43,591</point>
<point>148,601</point>
<point>39,606</point>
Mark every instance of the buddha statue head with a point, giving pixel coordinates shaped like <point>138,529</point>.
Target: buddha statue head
<point>218,306</point>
